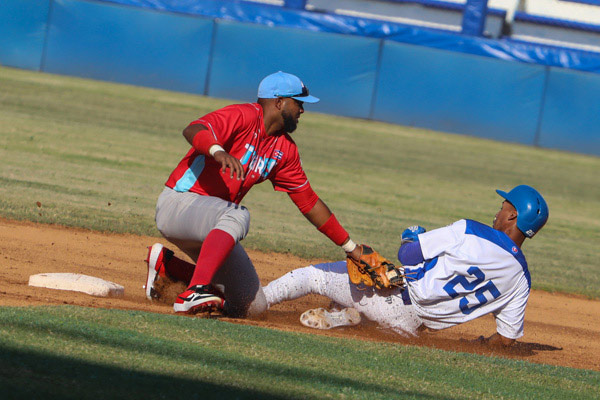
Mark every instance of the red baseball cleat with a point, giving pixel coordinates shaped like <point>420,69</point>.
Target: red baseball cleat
<point>157,255</point>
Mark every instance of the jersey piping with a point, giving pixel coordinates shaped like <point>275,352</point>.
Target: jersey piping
<point>501,240</point>
<point>190,176</point>
<point>418,273</point>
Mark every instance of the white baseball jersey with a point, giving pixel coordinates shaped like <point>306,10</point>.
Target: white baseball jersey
<point>470,270</point>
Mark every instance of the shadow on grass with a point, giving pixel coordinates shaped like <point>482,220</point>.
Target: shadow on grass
<point>222,362</point>
<point>518,349</point>
<point>31,375</point>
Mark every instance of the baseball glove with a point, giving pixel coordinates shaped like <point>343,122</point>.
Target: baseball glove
<point>374,270</point>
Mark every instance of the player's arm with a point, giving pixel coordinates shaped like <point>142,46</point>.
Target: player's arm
<point>510,319</point>
<point>292,179</point>
<point>365,265</point>
<point>205,142</point>
<point>410,252</point>
<point>418,245</point>
<point>316,211</point>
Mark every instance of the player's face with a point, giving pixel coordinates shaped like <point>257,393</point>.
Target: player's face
<point>503,217</point>
<point>290,112</point>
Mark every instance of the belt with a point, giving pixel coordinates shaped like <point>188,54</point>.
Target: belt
<point>406,297</point>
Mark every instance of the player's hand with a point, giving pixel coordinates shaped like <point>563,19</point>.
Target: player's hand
<point>373,270</point>
<point>411,234</point>
<point>228,161</point>
<point>355,254</point>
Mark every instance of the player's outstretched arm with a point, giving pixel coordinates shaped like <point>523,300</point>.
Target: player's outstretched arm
<point>321,217</point>
<point>364,264</point>
<point>318,214</point>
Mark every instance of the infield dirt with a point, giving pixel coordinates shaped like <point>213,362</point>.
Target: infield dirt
<point>559,329</point>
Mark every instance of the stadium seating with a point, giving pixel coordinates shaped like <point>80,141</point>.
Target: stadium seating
<point>571,24</point>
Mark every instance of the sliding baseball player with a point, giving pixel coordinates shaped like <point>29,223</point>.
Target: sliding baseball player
<point>451,275</point>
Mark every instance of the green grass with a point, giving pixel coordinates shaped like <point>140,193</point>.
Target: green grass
<point>96,155</point>
<point>73,352</point>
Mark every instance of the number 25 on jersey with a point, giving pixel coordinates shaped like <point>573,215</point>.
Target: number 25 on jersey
<point>479,293</point>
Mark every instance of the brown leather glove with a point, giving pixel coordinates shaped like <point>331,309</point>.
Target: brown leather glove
<point>374,270</point>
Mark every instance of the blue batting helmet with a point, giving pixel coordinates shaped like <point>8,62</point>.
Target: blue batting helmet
<point>532,210</point>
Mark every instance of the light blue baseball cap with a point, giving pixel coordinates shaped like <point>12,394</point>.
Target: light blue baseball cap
<point>282,84</point>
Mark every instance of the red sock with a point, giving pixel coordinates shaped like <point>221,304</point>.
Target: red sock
<point>179,269</point>
<point>215,250</point>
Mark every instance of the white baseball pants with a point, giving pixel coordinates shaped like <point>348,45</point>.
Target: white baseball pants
<point>386,307</point>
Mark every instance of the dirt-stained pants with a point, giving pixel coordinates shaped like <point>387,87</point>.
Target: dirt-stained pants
<point>386,307</point>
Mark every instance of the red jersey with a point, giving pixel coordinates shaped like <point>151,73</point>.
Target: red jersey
<point>240,130</point>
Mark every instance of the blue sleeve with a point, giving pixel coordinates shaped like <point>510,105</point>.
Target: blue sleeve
<point>410,254</point>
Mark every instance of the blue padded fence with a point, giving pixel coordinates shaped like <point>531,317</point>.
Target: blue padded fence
<point>354,76</point>
<point>570,119</point>
<point>23,26</point>
<point>129,45</point>
<point>276,16</point>
<point>478,96</point>
<point>340,70</point>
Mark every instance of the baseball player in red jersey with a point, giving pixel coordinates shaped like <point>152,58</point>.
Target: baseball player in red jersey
<point>233,149</point>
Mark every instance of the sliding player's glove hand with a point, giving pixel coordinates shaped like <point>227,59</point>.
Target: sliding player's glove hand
<point>411,234</point>
<point>372,269</point>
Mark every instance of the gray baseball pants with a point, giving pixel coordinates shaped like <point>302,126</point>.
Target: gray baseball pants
<point>186,218</point>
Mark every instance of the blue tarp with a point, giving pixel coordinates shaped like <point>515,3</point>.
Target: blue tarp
<point>474,16</point>
<point>270,15</point>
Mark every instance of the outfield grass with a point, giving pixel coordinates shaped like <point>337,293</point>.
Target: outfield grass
<point>73,352</point>
<point>95,155</point>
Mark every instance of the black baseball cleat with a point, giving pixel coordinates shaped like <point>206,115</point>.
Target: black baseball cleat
<point>198,299</point>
